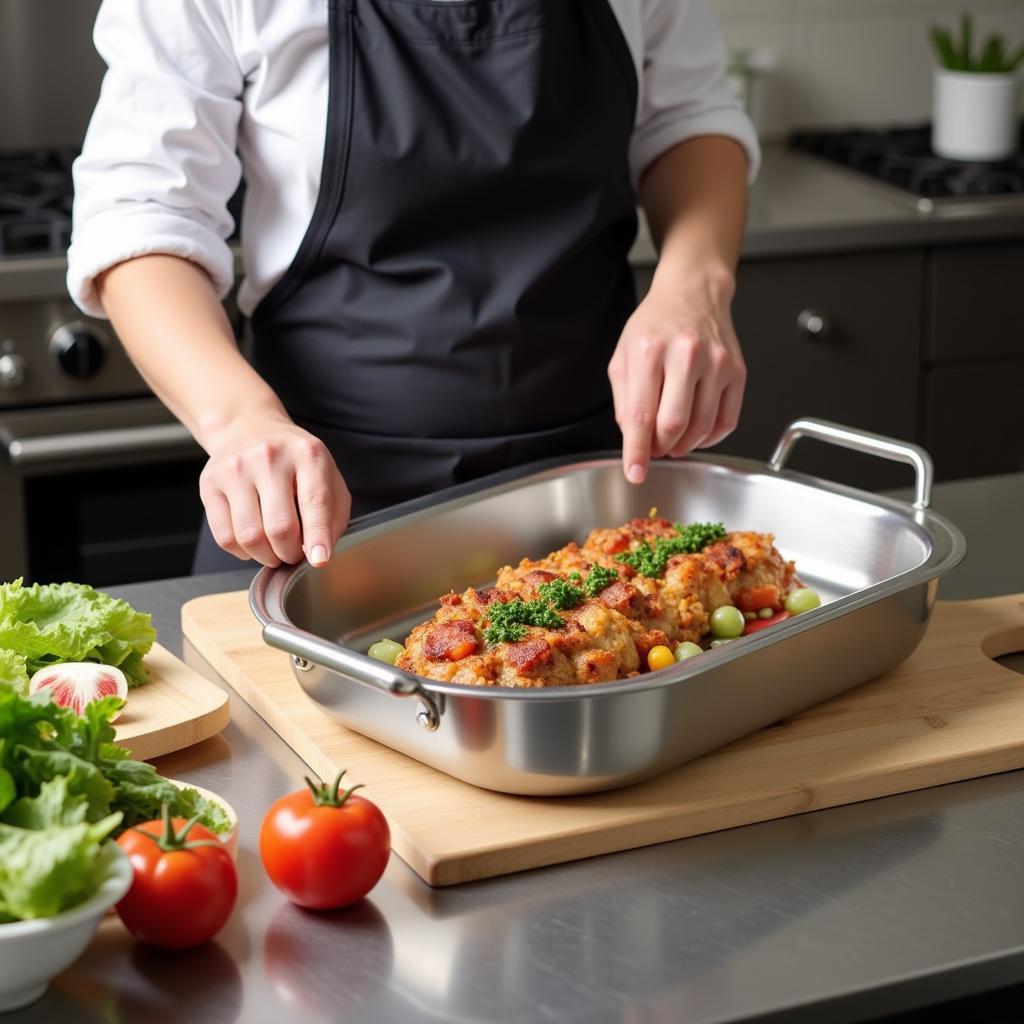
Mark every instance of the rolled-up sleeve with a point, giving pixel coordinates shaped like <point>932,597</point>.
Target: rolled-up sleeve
<point>685,91</point>
<point>159,162</point>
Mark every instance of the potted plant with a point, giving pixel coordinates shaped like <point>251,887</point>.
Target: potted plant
<point>975,96</point>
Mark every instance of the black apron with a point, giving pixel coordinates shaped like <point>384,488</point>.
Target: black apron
<point>455,301</point>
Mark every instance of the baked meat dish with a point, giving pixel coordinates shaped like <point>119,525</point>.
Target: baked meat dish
<point>607,609</point>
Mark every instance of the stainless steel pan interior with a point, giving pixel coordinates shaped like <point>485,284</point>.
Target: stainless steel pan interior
<point>875,562</point>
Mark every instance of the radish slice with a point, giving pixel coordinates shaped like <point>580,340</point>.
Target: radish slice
<point>74,684</point>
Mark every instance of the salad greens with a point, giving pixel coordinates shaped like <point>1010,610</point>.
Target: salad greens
<point>45,624</point>
<point>49,853</point>
<point>65,786</point>
<point>12,669</point>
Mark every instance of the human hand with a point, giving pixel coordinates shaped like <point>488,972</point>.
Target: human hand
<point>677,373</point>
<point>272,491</point>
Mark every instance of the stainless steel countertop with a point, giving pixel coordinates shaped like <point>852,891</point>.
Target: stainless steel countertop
<point>834,916</point>
<point>798,205</point>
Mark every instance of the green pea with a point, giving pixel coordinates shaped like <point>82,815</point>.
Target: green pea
<point>802,600</point>
<point>687,650</point>
<point>727,622</point>
<point>722,640</point>
<point>750,616</point>
<point>766,613</point>
<point>386,651</point>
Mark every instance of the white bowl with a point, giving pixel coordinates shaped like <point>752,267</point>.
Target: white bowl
<point>229,839</point>
<point>33,952</point>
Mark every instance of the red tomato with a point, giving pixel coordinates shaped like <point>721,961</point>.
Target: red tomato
<point>756,598</point>
<point>323,849</point>
<point>184,887</point>
<point>756,625</point>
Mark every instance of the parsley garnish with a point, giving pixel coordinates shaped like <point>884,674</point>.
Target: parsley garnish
<point>699,535</point>
<point>561,593</point>
<point>597,579</point>
<point>569,593</point>
<point>650,559</point>
<point>508,621</point>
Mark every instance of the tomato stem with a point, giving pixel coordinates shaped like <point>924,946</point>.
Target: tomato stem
<point>328,796</point>
<point>169,840</point>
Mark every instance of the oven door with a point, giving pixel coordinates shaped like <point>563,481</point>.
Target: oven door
<point>102,493</point>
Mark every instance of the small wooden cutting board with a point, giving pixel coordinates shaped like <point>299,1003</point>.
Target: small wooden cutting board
<point>176,708</point>
<point>947,713</point>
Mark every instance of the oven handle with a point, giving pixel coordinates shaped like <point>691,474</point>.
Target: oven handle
<point>155,439</point>
<point>859,441</point>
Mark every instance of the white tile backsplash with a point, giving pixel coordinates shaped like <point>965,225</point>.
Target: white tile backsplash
<point>847,62</point>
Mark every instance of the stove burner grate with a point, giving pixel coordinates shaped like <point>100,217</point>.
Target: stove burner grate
<point>903,157</point>
<point>35,201</point>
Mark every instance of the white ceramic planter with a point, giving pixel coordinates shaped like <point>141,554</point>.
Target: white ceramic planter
<point>975,115</point>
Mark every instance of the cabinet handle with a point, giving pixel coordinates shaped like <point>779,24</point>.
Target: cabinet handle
<point>813,324</point>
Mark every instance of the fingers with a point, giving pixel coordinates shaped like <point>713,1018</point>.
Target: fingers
<point>247,523</point>
<point>728,412</point>
<point>275,499</point>
<point>682,372</point>
<point>317,497</point>
<point>707,394</point>
<point>674,397</point>
<point>644,376</point>
<point>218,516</point>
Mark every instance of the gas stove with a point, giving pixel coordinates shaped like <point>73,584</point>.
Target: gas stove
<point>98,481</point>
<point>35,202</point>
<point>900,161</point>
<point>49,352</point>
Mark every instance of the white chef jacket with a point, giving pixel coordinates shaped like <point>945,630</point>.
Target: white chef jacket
<point>197,90</point>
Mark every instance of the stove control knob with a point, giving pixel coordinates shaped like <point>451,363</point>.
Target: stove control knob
<point>78,350</point>
<point>12,371</point>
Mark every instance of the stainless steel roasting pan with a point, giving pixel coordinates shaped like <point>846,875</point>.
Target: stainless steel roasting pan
<point>874,560</point>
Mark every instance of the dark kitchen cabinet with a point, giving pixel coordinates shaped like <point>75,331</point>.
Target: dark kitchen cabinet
<point>975,418</point>
<point>835,337</point>
<point>922,344</point>
<point>975,302</point>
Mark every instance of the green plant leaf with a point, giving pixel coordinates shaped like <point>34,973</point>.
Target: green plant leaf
<point>966,40</point>
<point>1014,62</point>
<point>992,56</point>
<point>943,43</point>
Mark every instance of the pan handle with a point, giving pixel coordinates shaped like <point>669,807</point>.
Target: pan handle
<point>308,650</point>
<point>859,441</point>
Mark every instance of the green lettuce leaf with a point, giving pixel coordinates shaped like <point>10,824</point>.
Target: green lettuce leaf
<point>83,778</point>
<point>41,742</point>
<point>55,805</point>
<point>46,624</point>
<point>191,802</point>
<point>140,793</point>
<point>8,790</point>
<point>13,671</point>
<point>45,871</point>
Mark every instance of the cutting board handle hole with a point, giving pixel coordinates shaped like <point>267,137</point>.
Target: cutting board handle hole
<point>1014,662</point>
<point>1006,648</point>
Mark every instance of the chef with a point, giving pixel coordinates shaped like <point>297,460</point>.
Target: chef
<point>440,200</point>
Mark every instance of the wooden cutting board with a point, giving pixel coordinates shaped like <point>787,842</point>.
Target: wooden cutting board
<point>176,708</point>
<point>948,713</point>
